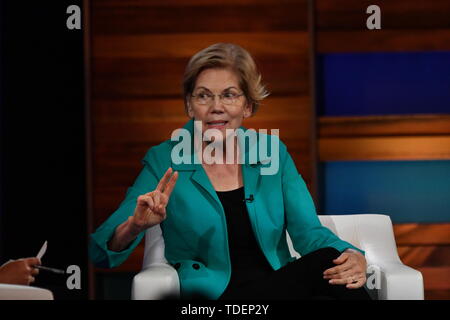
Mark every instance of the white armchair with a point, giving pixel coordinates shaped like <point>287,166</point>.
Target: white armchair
<point>18,292</point>
<point>372,233</point>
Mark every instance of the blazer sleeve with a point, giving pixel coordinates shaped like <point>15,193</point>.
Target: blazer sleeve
<point>302,222</point>
<point>99,253</point>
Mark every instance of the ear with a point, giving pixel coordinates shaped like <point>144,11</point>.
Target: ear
<point>189,110</point>
<point>248,110</point>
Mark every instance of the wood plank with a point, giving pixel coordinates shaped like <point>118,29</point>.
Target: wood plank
<point>135,77</point>
<point>425,255</point>
<point>422,234</point>
<point>136,110</point>
<point>163,19</point>
<point>383,40</point>
<point>200,3</point>
<point>398,14</point>
<point>187,44</point>
<point>385,148</point>
<point>436,278</point>
<point>437,294</point>
<point>390,125</point>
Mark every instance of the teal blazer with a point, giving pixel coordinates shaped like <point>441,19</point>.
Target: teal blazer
<point>195,231</point>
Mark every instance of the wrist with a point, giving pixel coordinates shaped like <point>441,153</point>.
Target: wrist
<point>350,250</point>
<point>133,229</point>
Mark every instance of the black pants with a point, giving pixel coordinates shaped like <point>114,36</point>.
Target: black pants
<point>301,279</point>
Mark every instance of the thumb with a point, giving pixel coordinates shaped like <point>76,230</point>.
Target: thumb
<point>341,259</point>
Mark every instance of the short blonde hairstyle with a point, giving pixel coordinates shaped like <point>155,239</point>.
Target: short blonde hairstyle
<point>226,56</point>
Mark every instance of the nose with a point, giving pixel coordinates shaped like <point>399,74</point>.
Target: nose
<point>217,105</point>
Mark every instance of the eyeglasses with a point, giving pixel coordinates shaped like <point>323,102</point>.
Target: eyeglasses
<point>207,98</point>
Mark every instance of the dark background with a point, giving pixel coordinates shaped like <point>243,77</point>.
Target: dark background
<point>43,140</point>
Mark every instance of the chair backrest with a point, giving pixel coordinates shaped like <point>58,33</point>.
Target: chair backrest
<point>17,292</point>
<point>372,233</point>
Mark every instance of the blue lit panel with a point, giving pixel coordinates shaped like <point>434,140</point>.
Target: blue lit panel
<point>384,83</point>
<point>407,191</point>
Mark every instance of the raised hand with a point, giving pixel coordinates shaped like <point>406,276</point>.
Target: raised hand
<point>151,207</point>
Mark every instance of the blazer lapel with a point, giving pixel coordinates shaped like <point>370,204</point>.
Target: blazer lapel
<point>199,176</point>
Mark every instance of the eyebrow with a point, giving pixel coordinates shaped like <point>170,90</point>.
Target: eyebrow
<point>201,87</point>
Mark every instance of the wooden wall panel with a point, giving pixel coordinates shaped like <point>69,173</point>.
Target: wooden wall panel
<point>385,148</point>
<point>184,45</point>
<point>422,234</point>
<point>426,247</point>
<point>233,18</point>
<point>139,51</point>
<point>406,25</point>
<point>381,126</point>
<point>398,14</point>
<point>384,40</point>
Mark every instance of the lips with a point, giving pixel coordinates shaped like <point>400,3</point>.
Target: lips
<point>217,123</point>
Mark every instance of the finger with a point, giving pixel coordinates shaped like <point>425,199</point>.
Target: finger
<point>162,211</point>
<point>342,258</point>
<point>162,183</point>
<point>357,284</point>
<point>33,261</point>
<point>31,279</point>
<point>341,275</point>
<point>339,269</point>
<point>156,197</point>
<point>34,271</point>
<point>348,279</point>
<point>171,184</point>
<point>146,201</point>
<point>338,281</point>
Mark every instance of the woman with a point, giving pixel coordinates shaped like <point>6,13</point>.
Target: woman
<point>224,223</point>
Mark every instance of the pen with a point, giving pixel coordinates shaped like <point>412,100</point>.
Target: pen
<point>59,271</point>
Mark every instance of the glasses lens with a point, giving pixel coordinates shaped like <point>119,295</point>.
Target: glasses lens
<point>230,97</point>
<point>203,98</point>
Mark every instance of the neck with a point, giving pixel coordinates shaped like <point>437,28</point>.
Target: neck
<point>216,152</point>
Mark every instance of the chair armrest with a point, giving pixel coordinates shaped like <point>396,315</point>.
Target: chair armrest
<point>19,292</point>
<point>158,281</point>
<point>399,282</point>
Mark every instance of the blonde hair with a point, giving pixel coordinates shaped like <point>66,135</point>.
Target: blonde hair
<point>226,56</point>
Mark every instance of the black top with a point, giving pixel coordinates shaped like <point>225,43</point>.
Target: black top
<point>247,260</point>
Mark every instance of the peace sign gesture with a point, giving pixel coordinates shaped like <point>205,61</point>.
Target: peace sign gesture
<point>151,207</point>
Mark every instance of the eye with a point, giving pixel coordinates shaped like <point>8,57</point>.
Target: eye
<point>230,94</point>
<point>204,95</point>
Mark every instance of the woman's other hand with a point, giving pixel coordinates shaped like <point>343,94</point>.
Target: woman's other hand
<point>351,270</point>
<point>19,271</point>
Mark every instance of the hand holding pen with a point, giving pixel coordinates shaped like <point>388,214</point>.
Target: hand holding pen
<point>40,255</point>
<point>20,271</point>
